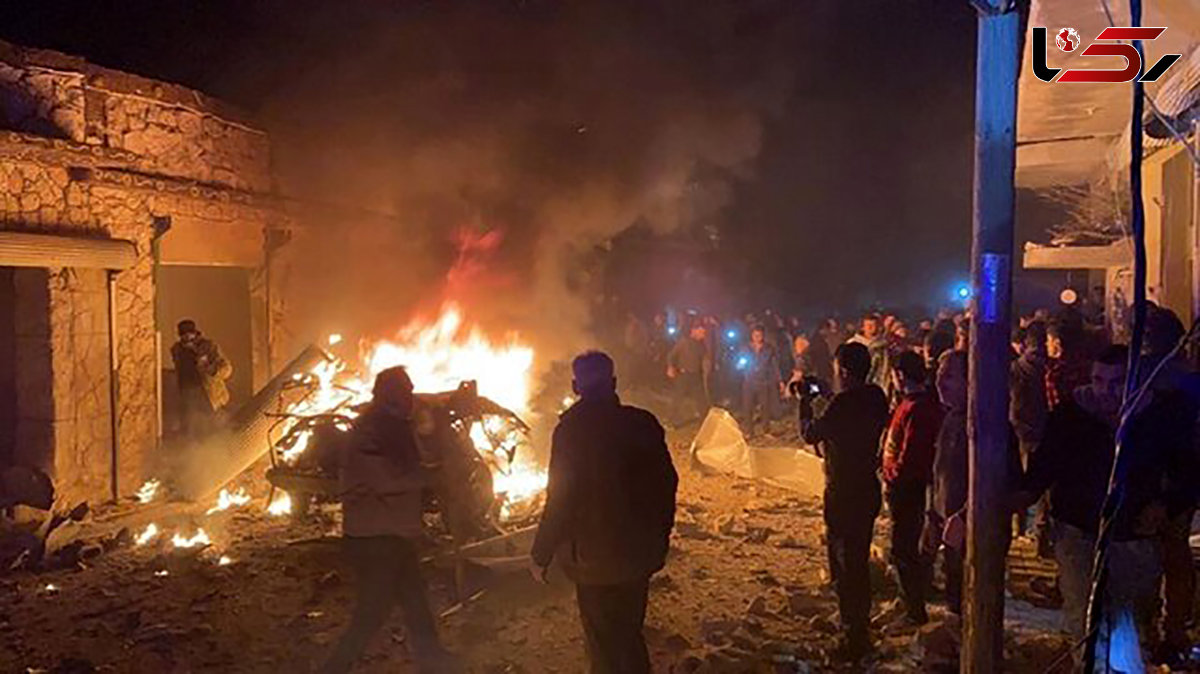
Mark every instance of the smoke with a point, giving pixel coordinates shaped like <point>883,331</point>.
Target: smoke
<point>508,143</point>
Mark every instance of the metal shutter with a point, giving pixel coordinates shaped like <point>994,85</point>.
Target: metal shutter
<point>19,249</point>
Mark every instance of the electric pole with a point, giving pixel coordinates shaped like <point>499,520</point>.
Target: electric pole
<point>988,517</point>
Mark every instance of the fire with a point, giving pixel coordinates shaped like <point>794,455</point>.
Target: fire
<point>148,491</point>
<point>281,505</point>
<point>441,356</point>
<point>438,356</point>
<point>227,500</point>
<point>147,535</point>
<point>201,538</point>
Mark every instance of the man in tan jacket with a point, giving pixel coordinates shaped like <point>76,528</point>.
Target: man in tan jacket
<point>382,475</point>
<point>201,371</point>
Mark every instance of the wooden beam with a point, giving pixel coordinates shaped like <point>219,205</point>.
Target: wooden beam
<point>997,63</point>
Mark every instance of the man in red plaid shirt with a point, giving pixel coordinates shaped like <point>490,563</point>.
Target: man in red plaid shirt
<point>1069,367</point>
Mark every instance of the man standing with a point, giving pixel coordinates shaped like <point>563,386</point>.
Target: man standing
<point>1027,411</point>
<point>948,490</point>
<point>761,383</point>
<point>871,335</point>
<point>201,371</point>
<point>908,452</point>
<point>689,366</point>
<point>382,475</point>
<point>610,508</point>
<point>847,437</point>
<point>1074,463</point>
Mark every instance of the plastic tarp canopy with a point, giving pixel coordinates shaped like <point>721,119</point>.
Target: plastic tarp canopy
<point>721,447</point>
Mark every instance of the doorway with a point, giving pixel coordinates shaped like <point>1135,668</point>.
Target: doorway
<point>218,299</point>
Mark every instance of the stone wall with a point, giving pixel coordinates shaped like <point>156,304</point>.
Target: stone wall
<point>66,415</point>
<point>88,151</point>
<point>174,131</point>
<point>80,366</point>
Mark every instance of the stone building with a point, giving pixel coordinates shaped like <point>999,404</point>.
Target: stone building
<point>125,205</point>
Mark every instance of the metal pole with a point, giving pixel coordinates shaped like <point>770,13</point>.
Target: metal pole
<point>114,388</point>
<point>997,63</point>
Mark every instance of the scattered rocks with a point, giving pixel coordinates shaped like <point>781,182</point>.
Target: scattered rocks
<point>789,543</point>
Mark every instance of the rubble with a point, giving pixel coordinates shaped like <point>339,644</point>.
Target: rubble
<point>723,604</point>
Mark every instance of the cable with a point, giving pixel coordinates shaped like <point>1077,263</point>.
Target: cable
<point>1115,496</point>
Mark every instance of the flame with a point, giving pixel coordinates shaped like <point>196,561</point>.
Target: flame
<point>201,538</point>
<point>162,574</point>
<point>282,504</point>
<point>147,535</point>
<point>224,561</point>
<point>440,356</point>
<point>227,500</point>
<point>335,339</point>
<point>148,491</point>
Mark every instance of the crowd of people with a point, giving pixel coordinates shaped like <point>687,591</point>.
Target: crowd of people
<point>886,408</point>
<point>888,414</point>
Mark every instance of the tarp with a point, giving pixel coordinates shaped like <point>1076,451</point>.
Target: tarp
<point>720,446</point>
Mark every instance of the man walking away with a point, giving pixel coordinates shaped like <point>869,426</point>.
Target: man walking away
<point>381,479</point>
<point>689,365</point>
<point>908,452</point>
<point>846,434</point>
<point>610,508</point>
<point>201,371</point>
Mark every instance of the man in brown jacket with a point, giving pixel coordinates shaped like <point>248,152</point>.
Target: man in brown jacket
<point>201,371</point>
<point>610,508</point>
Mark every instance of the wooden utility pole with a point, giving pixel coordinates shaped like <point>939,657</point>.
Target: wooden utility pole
<point>988,517</point>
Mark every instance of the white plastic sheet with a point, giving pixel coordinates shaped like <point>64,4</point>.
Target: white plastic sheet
<point>720,446</point>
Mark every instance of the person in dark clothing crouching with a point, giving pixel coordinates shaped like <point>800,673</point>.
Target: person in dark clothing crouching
<point>610,508</point>
<point>908,451</point>
<point>846,433</point>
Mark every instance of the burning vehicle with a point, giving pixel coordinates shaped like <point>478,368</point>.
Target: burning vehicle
<point>474,443</point>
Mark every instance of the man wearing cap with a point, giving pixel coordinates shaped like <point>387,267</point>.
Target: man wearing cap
<point>201,371</point>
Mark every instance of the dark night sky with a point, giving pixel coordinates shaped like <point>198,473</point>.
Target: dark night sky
<point>860,194</point>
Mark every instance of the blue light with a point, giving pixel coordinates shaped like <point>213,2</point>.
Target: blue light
<point>743,362</point>
<point>964,292</point>
<point>732,334</point>
<point>672,330</point>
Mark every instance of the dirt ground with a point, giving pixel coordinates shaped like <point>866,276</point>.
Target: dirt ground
<point>744,591</point>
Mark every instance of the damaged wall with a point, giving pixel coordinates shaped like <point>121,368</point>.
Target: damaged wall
<point>112,154</point>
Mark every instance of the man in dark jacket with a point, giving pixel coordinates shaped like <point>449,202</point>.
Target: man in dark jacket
<point>1074,463</point>
<point>846,434</point>
<point>689,367</point>
<point>761,383</point>
<point>382,475</point>
<point>610,508</point>
<point>908,451</point>
<point>1027,411</point>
